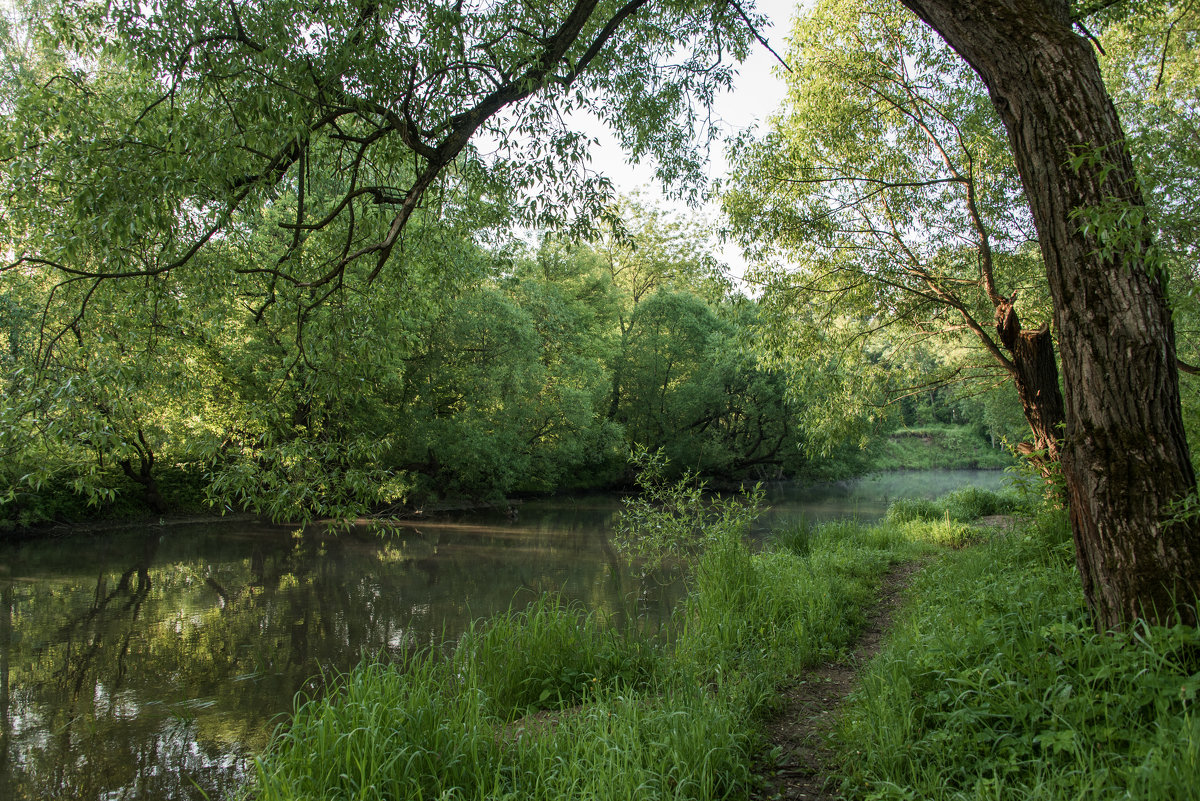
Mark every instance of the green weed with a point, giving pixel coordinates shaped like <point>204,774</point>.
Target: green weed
<point>996,686</point>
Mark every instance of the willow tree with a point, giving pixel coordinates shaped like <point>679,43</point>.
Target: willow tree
<point>885,194</point>
<point>264,165</point>
<point>1124,454</point>
<point>1123,450</point>
<point>388,105</point>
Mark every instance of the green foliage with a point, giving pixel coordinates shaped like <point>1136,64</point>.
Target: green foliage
<point>250,255</point>
<point>674,521</point>
<point>1150,71</point>
<point>996,686</point>
<point>1119,228</point>
<point>686,374</point>
<point>189,119</point>
<point>885,216</point>
<point>499,376</point>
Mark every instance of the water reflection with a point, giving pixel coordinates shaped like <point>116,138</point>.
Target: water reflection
<point>867,499</point>
<point>153,664</point>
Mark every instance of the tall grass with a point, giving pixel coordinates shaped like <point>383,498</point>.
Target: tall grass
<point>405,731</point>
<point>548,656</point>
<point>996,687</point>
<point>993,687</point>
<point>552,703</point>
<point>680,743</point>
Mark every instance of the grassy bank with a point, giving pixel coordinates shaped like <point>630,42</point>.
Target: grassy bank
<point>994,686</point>
<point>948,447</point>
<point>553,703</point>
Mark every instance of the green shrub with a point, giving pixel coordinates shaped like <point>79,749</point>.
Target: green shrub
<point>676,521</point>
<point>548,655</point>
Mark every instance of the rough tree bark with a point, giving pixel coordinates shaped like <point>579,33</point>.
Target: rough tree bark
<point>1035,374</point>
<point>1124,455</point>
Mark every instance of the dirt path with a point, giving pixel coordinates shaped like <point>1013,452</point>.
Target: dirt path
<point>811,706</point>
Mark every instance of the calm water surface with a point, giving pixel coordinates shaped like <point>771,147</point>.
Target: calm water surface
<point>154,663</point>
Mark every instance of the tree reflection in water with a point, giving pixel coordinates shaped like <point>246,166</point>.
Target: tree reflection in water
<point>153,664</point>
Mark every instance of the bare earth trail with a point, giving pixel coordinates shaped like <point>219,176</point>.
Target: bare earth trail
<point>811,706</point>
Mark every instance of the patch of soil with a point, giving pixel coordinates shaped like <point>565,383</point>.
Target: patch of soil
<point>811,706</point>
<point>1001,523</point>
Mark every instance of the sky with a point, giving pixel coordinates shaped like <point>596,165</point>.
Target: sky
<point>757,92</point>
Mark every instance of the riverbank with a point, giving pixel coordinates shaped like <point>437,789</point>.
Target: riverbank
<point>58,508</point>
<point>991,686</point>
<point>554,703</point>
<point>953,447</point>
<point>994,685</point>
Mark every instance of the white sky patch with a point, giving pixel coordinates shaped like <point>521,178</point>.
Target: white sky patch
<point>758,91</point>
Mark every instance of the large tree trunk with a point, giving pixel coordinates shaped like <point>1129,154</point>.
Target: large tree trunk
<point>1124,456</point>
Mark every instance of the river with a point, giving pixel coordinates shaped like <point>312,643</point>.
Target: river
<point>153,663</point>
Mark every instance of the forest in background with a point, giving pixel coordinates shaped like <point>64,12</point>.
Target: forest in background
<point>531,369</point>
<point>205,318</point>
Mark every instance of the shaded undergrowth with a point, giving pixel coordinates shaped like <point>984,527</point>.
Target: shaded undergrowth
<point>995,686</point>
